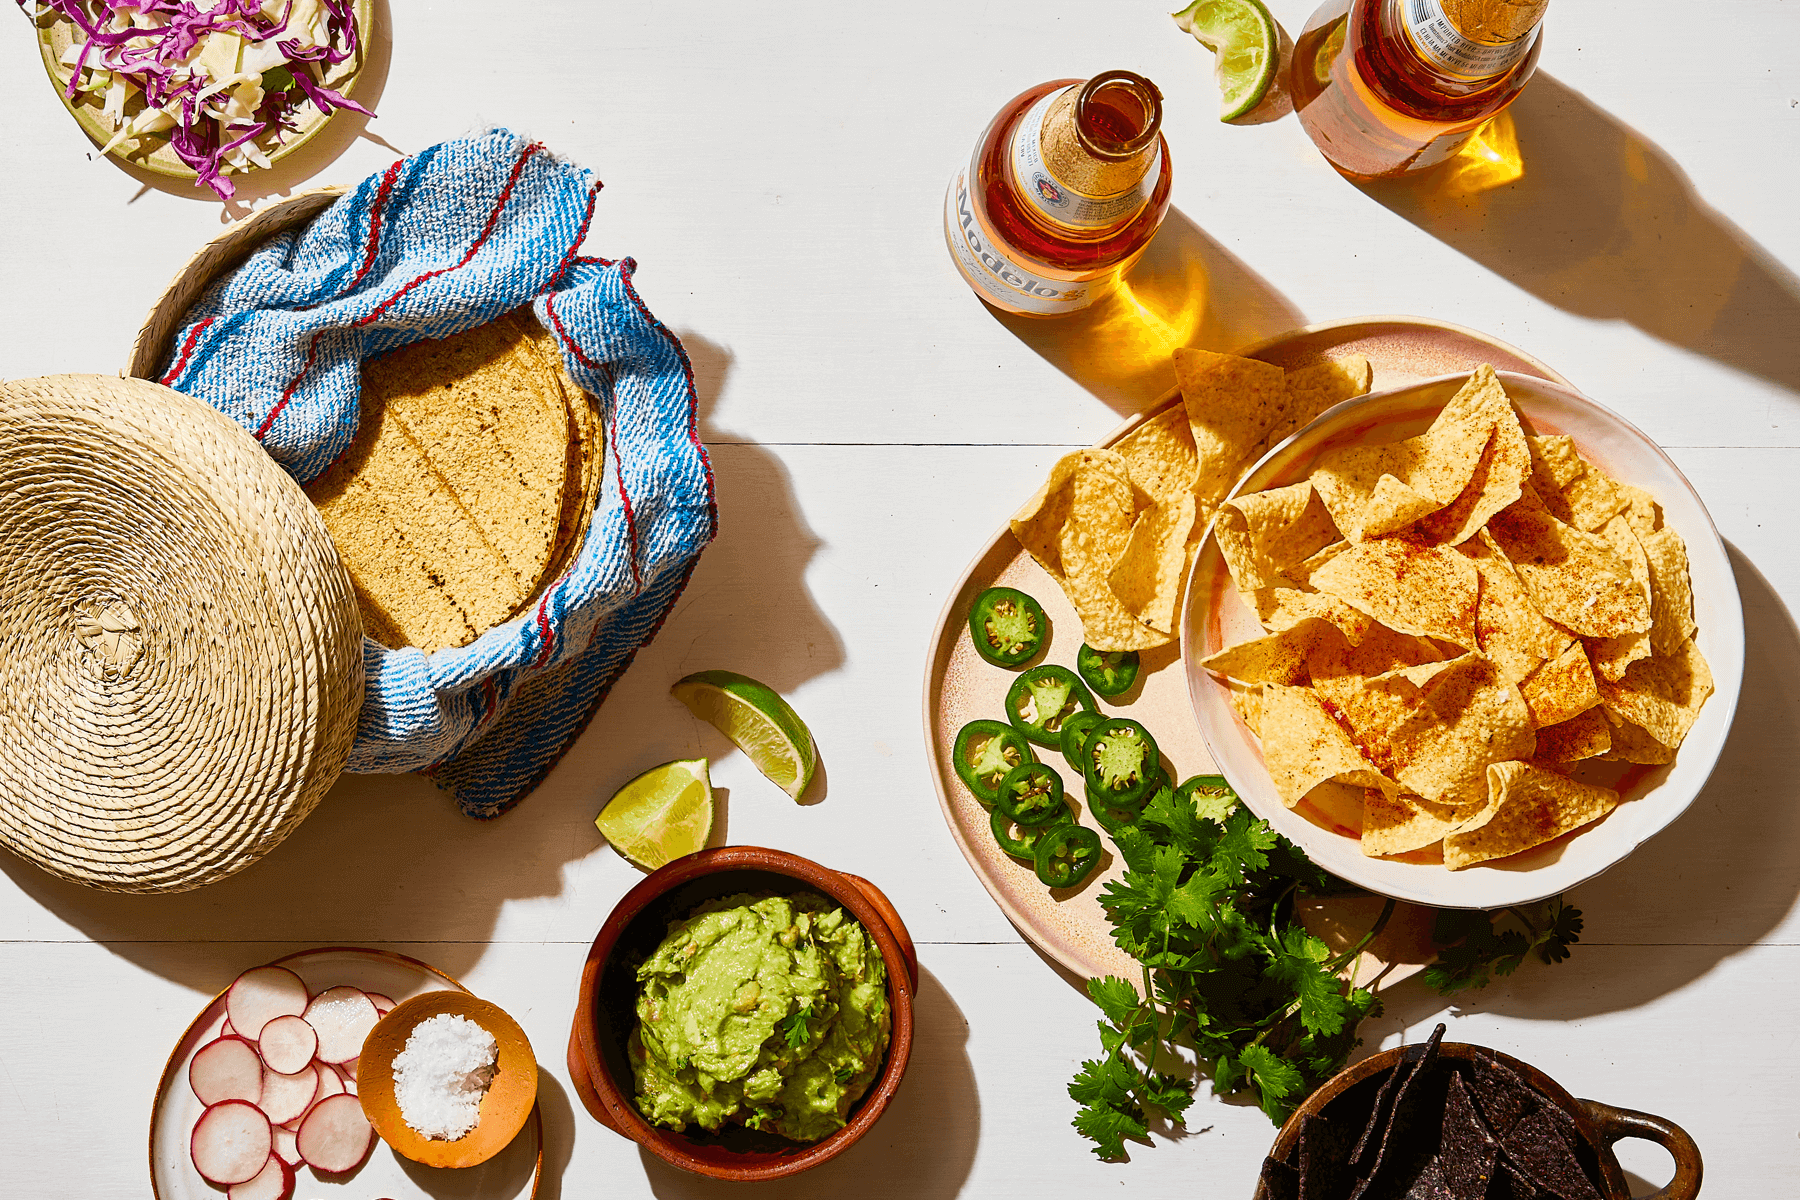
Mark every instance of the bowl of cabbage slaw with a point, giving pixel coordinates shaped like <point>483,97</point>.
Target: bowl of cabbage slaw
<point>203,89</point>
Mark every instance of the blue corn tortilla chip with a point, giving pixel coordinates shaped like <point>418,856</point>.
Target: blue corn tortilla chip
<point>1280,1181</point>
<point>1466,1150</point>
<point>1540,1149</point>
<point>1428,1184</point>
<point>1325,1148</point>
<point>1404,1122</point>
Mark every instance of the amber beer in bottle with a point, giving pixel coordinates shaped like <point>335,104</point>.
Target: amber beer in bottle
<point>1389,87</point>
<point>1062,194</point>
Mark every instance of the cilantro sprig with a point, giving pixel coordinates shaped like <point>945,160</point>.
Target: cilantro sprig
<point>1232,985</point>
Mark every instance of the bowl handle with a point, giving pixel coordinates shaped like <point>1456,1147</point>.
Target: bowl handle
<point>1616,1124</point>
<point>891,916</point>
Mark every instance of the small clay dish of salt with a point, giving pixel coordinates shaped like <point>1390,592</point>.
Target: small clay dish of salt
<point>436,1087</point>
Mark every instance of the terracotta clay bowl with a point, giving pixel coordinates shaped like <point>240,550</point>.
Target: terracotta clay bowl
<point>504,1109</point>
<point>1600,1125</point>
<point>607,1010</point>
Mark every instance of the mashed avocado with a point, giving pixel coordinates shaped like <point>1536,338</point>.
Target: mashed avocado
<point>771,1013</point>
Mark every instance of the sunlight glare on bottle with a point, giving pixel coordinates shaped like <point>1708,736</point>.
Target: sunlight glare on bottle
<point>1490,160</point>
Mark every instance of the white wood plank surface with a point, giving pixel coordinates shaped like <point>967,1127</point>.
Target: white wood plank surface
<point>778,172</point>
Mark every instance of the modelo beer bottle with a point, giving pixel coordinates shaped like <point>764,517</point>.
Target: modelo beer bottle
<point>1065,189</point>
<point>1389,87</point>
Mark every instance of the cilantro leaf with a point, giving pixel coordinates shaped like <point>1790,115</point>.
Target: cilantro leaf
<point>1300,966</point>
<point>1240,849</point>
<point>1276,1079</point>
<point>1116,998</point>
<point>793,1027</point>
<point>1107,1127</point>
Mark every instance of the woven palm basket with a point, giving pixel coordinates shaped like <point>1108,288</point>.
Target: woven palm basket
<point>183,655</point>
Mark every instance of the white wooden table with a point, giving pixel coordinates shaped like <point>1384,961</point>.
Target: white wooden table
<point>778,171</point>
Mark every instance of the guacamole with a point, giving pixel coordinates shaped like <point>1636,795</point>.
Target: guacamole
<point>769,1012</point>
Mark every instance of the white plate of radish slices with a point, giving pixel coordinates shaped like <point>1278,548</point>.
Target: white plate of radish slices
<point>258,1101</point>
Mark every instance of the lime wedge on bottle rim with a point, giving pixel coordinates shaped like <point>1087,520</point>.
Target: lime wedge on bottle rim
<point>1243,37</point>
<point>758,720</point>
<point>663,814</point>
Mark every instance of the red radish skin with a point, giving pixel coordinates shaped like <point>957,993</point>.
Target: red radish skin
<point>226,1069</point>
<point>383,1004</point>
<point>348,1069</point>
<point>287,1044</point>
<point>232,1142</point>
<point>343,1017</point>
<point>286,1097</point>
<point>260,995</point>
<point>336,1136</point>
<point>274,1182</point>
<point>285,1149</point>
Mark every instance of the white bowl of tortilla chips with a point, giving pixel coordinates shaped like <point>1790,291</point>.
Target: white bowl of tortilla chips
<point>1480,671</point>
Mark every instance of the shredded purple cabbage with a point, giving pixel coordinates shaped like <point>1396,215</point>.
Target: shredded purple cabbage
<point>150,53</point>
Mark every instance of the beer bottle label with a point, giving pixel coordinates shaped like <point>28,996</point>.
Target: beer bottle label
<point>1051,195</point>
<point>993,272</point>
<point>1448,46</point>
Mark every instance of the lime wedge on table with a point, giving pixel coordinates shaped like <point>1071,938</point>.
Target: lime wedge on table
<point>1241,33</point>
<point>661,815</point>
<point>758,720</point>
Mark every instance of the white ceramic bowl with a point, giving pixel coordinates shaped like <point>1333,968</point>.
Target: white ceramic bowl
<point>1215,617</point>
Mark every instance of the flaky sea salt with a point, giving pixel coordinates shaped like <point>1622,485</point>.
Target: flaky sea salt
<point>441,1076</point>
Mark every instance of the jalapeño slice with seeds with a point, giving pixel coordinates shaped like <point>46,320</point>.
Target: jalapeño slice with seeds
<point>1210,793</point>
<point>984,752</point>
<point>1074,735</point>
<point>1042,699</point>
<point>1025,844</point>
<point>1113,819</point>
<point>1108,672</point>
<point>1066,855</point>
<point>1007,626</point>
<point>1031,794</point>
<point>1121,763</point>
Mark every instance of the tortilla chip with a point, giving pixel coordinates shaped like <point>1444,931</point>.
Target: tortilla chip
<point>1554,462</point>
<point>1302,572</point>
<point>1313,389</point>
<point>1309,747</point>
<point>1498,480</point>
<point>1076,526</point>
<point>1435,728</point>
<point>1643,512</point>
<point>1264,533</point>
<point>1379,651</point>
<point>1508,626</point>
<point>1612,655</point>
<point>1587,735</point>
<point>1283,608</point>
<point>1246,701</point>
<point>1407,585</point>
<point>1374,490</point>
<point>1561,689</point>
<point>1593,500</point>
<point>1149,573</point>
<point>1662,695</point>
<point>1278,658</point>
<point>1671,591</point>
<point>1160,456</point>
<point>1574,578</point>
<point>1398,823</point>
<point>1231,405</point>
<point>1530,806</point>
<point>1629,742</point>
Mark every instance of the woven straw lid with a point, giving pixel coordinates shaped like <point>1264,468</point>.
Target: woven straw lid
<point>183,662</point>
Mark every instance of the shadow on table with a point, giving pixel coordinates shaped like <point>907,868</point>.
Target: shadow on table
<point>937,1107</point>
<point>299,167</point>
<point>390,859</point>
<point>1577,208</point>
<point>1187,290</point>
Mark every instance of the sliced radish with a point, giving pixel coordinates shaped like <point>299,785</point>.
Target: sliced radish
<point>226,1069</point>
<point>382,1004</point>
<point>285,1097</point>
<point>225,1029</point>
<point>232,1142</point>
<point>285,1149</point>
<point>330,1084</point>
<point>287,1044</point>
<point>335,1136</point>
<point>343,1017</point>
<point>350,1085</point>
<point>348,1069</point>
<point>260,995</point>
<point>275,1182</point>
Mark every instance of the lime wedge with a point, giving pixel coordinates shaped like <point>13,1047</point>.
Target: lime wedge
<point>758,720</point>
<point>661,815</point>
<point>1242,34</point>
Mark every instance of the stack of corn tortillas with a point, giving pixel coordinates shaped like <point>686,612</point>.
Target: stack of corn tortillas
<point>469,485</point>
<point>1117,528</point>
<point>1457,627</point>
